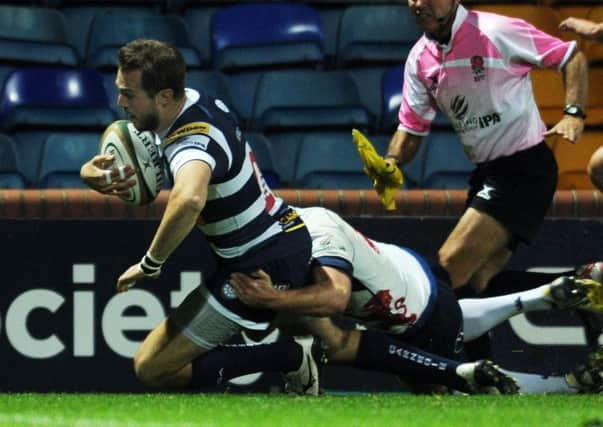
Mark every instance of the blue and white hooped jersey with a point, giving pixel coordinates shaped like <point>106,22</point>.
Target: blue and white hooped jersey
<point>241,210</point>
<point>393,289</point>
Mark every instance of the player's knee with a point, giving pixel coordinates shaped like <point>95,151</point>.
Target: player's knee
<point>147,372</point>
<point>451,262</point>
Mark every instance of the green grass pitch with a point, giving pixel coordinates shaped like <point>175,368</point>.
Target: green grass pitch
<point>404,410</point>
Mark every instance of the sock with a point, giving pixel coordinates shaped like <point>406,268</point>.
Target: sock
<point>379,352</point>
<point>226,362</point>
<point>516,281</point>
<point>480,345</point>
<point>539,384</point>
<point>481,315</point>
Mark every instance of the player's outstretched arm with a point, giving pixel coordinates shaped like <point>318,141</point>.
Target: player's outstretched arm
<point>187,200</point>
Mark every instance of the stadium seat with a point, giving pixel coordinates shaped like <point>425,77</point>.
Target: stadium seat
<point>371,39</point>
<point>331,161</point>
<point>111,30</point>
<point>53,97</point>
<point>199,16</point>
<point>79,15</point>
<point>37,101</point>
<point>376,34</point>
<point>292,103</point>
<point>34,35</point>
<point>263,155</point>
<point>10,173</point>
<point>330,15</point>
<point>298,99</point>
<point>549,93</point>
<point>211,82</point>
<point>63,155</point>
<point>572,160</point>
<point>446,164</point>
<point>279,34</point>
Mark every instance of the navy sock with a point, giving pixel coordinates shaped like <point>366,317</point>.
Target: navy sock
<point>226,362</point>
<point>379,352</point>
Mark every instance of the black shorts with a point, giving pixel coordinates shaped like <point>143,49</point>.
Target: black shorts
<point>516,190</point>
<point>442,333</point>
<point>285,257</point>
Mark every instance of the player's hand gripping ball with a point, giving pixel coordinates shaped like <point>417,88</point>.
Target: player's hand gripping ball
<point>137,149</point>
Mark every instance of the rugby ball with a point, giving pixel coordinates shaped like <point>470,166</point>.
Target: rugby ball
<point>137,149</point>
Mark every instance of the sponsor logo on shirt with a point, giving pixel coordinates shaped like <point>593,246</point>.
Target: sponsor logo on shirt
<point>459,107</point>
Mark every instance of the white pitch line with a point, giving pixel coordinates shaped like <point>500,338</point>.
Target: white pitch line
<point>61,421</point>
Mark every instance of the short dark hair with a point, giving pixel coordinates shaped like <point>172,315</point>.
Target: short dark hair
<point>162,65</point>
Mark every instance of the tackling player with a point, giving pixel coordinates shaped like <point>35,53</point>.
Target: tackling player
<point>392,292</point>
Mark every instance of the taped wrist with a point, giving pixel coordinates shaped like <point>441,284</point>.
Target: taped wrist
<point>150,266</point>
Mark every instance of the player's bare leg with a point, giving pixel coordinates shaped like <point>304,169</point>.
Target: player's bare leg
<point>472,245</point>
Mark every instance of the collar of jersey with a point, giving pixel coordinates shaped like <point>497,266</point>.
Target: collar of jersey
<point>192,97</point>
<point>434,46</point>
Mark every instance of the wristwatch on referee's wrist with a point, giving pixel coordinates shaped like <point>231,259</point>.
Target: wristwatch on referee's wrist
<point>574,110</point>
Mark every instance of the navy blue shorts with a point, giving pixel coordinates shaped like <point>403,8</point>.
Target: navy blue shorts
<point>442,333</point>
<point>285,257</point>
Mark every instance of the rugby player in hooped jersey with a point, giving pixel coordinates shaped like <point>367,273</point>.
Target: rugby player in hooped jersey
<point>475,66</point>
<point>219,189</point>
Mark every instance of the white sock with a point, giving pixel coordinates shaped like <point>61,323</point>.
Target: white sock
<point>481,315</point>
<point>538,384</point>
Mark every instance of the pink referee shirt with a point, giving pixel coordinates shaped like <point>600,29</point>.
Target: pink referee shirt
<point>480,80</point>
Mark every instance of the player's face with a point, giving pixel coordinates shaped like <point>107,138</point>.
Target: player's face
<point>139,107</point>
<point>432,15</point>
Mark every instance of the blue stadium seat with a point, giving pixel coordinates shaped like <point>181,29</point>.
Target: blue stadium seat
<point>299,99</point>
<point>53,97</point>
<point>446,164</point>
<point>38,101</point>
<point>381,34</point>
<point>63,155</point>
<point>266,34</point>
<point>263,154</point>
<point>292,103</point>
<point>211,82</point>
<point>34,35</point>
<point>111,30</point>
<point>200,16</point>
<point>10,173</point>
<point>331,161</point>
<point>79,15</point>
